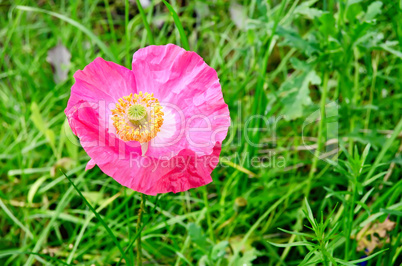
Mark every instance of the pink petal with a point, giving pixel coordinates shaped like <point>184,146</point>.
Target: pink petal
<point>91,164</point>
<point>125,164</point>
<point>101,81</point>
<point>182,81</point>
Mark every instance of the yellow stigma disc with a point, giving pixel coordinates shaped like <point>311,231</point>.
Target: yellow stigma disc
<point>137,117</point>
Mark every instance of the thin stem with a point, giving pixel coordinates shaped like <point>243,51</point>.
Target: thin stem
<point>126,20</point>
<point>320,131</point>
<point>140,211</point>
<point>110,21</point>
<point>260,97</point>
<point>349,224</point>
<point>146,24</point>
<point>324,252</point>
<point>210,229</point>
<point>354,99</point>
<point>373,79</point>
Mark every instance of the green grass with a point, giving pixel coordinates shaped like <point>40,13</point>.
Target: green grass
<point>287,62</point>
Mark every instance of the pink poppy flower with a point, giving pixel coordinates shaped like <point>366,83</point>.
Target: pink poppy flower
<point>157,128</point>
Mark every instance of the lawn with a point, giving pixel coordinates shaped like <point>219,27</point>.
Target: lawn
<point>309,173</point>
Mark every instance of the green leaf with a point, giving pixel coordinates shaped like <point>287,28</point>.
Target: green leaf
<point>308,11</point>
<point>296,233</point>
<point>386,47</point>
<point>219,250</point>
<point>34,188</point>
<point>295,94</point>
<point>373,10</point>
<point>353,262</point>
<point>365,154</point>
<point>392,212</point>
<point>363,200</point>
<point>351,2</point>
<point>294,244</point>
<point>248,257</point>
<point>197,236</point>
<point>327,27</point>
<point>37,119</point>
<point>353,11</point>
<point>364,206</point>
<point>41,125</point>
<point>310,216</point>
<point>51,137</point>
<point>68,138</point>
<point>293,39</point>
<point>374,178</point>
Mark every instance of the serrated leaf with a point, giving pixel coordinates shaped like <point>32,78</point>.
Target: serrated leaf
<point>219,250</point>
<point>197,236</point>
<point>248,257</point>
<point>295,94</point>
<point>308,11</point>
<point>327,27</point>
<point>293,39</point>
<point>353,11</point>
<point>373,10</point>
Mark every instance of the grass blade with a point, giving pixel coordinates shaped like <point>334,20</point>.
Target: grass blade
<point>87,221</point>
<point>60,207</point>
<point>146,24</point>
<point>353,262</point>
<point>384,149</point>
<point>99,218</point>
<point>176,19</point>
<point>17,252</point>
<point>76,24</point>
<point>294,244</point>
<point>15,220</point>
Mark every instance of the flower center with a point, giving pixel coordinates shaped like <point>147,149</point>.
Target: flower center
<point>137,117</point>
<point>137,114</point>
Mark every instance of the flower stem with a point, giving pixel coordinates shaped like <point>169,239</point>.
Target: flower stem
<point>140,211</point>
